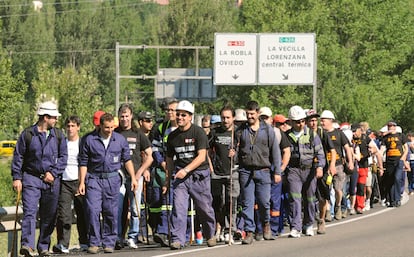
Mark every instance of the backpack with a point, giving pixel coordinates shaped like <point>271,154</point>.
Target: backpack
<point>29,132</point>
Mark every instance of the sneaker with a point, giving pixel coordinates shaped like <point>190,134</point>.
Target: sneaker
<point>212,242</point>
<point>321,227</point>
<point>132,244</point>
<point>294,233</point>
<point>238,235</point>
<point>352,211</point>
<point>367,205</point>
<point>248,239</point>
<point>108,250</point>
<point>383,202</point>
<point>162,239</point>
<point>218,234</point>
<point>60,248</point>
<point>176,246</point>
<point>359,211</point>
<point>227,239</point>
<point>309,231</point>
<point>258,237</point>
<point>44,253</point>
<point>93,249</point>
<point>26,251</point>
<point>119,245</point>
<point>83,247</point>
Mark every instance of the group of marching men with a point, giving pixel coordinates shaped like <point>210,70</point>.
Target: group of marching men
<point>241,175</point>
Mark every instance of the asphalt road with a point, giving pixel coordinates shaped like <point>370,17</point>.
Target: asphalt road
<point>380,232</point>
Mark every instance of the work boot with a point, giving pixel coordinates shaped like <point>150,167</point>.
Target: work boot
<point>212,242</point>
<point>162,239</point>
<point>176,246</point>
<point>321,227</point>
<point>248,239</point>
<point>338,213</point>
<point>26,251</point>
<point>267,232</point>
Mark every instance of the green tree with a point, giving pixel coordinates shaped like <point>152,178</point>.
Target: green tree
<point>13,90</point>
<point>76,92</point>
<point>364,59</point>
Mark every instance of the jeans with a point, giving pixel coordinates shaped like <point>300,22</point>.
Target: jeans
<point>254,186</point>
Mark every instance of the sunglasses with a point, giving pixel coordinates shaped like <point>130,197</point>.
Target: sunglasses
<point>147,120</point>
<point>299,121</point>
<point>182,115</point>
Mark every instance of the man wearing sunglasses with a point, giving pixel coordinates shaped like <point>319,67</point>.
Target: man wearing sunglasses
<point>188,168</point>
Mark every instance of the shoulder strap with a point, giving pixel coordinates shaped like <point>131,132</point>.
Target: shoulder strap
<point>28,135</point>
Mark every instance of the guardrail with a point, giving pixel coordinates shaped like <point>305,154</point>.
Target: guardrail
<point>7,221</point>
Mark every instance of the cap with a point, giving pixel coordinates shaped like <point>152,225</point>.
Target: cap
<point>240,115</point>
<point>279,118</point>
<point>167,101</point>
<point>215,119</point>
<point>145,115</point>
<point>391,123</point>
<point>296,113</point>
<point>355,126</point>
<point>384,129</point>
<point>312,113</point>
<point>97,117</point>
<point>265,111</point>
<point>345,126</point>
<point>327,115</point>
<point>185,106</point>
<point>48,108</point>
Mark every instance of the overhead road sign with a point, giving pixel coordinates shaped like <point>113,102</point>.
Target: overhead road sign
<point>286,59</point>
<point>235,59</point>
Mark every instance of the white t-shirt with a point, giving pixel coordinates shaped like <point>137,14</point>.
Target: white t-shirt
<point>71,171</point>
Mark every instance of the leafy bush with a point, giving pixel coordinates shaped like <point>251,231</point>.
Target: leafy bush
<point>8,196</point>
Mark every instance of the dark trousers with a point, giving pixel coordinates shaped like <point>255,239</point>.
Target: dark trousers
<point>64,214</point>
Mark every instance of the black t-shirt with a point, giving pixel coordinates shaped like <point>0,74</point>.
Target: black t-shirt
<point>137,142</point>
<point>284,141</point>
<point>339,140</point>
<point>184,145</point>
<point>220,146</point>
<point>363,144</point>
<point>327,144</point>
<point>394,144</point>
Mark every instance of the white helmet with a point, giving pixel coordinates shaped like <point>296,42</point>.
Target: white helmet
<point>185,106</point>
<point>296,113</point>
<point>265,111</point>
<point>48,108</point>
<point>327,115</point>
<point>240,115</point>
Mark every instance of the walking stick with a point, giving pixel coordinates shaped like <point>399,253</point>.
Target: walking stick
<point>13,250</point>
<point>146,210</point>
<point>192,221</point>
<point>231,190</point>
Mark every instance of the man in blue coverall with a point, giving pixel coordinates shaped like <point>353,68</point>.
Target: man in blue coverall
<point>39,159</point>
<point>101,156</point>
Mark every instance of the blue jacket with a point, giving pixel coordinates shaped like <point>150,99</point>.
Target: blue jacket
<point>42,155</point>
<point>97,159</point>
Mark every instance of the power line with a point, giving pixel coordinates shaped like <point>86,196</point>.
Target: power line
<point>64,51</point>
<point>45,4</point>
<point>74,11</point>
